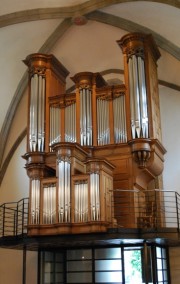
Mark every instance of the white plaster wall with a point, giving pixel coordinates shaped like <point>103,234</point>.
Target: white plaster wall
<point>11,267</point>
<point>170,122</point>
<point>15,184</point>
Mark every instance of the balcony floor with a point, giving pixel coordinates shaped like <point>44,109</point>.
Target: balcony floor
<point>114,236</point>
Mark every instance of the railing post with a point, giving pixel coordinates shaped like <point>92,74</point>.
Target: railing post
<point>156,213</point>
<point>14,226</point>
<point>23,217</point>
<point>17,218</point>
<point>3,220</point>
<point>177,213</point>
<point>24,266</point>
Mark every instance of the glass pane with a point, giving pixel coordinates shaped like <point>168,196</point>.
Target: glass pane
<point>165,275</point>
<point>48,267</point>
<point>159,264</point>
<point>48,256</point>
<point>163,252</point>
<point>81,277</point>
<point>59,278</point>
<point>59,256</point>
<point>48,278</point>
<point>106,253</point>
<point>164,264</point>
<point>79,265</point>
<point>59,267</point>
<point>108,277</point>
<point>160,278</point>
<point>158,252</point>
<point>108,265</point>
<point>79,254</point>
<point>133,266</point>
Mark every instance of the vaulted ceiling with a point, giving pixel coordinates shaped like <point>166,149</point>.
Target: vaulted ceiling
<point>82,35</point>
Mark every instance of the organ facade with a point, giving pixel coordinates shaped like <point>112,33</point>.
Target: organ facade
<point>87,149</point>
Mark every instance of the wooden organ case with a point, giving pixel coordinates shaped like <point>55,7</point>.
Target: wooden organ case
<point>83,147</point>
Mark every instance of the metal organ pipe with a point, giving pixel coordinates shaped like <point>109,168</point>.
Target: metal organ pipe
<point>143,98</point>
<point>120,133</point>
<point>55,114</point>
<point>64,190</point>
<point>85,117</point>
<point>81,201</point>
<point>70,123</point>
<point>95,197</point>
<point>35,201</point>
<point>103,122</point>
<point>49,204</point>
<point>138,97</point>
<point>37,108</point>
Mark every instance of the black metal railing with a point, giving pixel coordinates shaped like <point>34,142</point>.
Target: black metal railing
<point>14,218</point>
<point>130,208</point>
<point>146,209</point>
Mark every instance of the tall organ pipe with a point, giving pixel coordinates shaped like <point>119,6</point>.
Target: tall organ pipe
<point>103,122</point>
<point>143,97</point>
<point>85,117</point>
<point>138,97</point>
<point>120,133</point>
<point>37,108</point>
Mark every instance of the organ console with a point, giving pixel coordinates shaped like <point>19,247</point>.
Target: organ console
<point>82,146</point>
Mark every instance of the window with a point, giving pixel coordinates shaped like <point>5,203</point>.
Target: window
<point>107,265</point>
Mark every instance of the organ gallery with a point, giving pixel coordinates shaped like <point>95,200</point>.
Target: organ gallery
<point>87,149</point>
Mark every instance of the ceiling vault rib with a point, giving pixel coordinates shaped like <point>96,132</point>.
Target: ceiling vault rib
<point>11,153</point>
<point>133,27</point>
<point>67,12</point>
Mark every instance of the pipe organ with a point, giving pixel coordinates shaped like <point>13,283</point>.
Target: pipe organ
<point>83,145</point>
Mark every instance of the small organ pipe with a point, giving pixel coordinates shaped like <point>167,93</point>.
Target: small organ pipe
<point>98,123</point>
<point>54,125</point>
<point>70,123</point>
<point>122,100</point>
<point>81,201</point>
<point>35,201</point>
<point>81,116</point>
<point>49,204</point>
<point>43,114</point>
<point>84,118</point>
<point>64,190</point>
<point>39,111</point>
<point>94,195</point>
<point>90,117</point>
